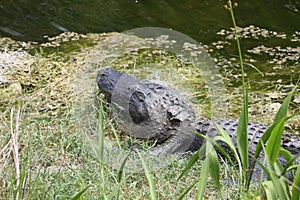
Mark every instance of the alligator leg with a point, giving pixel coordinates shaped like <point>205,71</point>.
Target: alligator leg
<point>178,142</point>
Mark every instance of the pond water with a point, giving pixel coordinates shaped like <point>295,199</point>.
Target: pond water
<point>270,33</point>
<point>32,19</point>
<point>201,20</point>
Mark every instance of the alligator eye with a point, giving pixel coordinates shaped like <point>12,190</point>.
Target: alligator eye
<point>102,75</point>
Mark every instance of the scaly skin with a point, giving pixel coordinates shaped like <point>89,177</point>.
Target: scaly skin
<point>158,112</point>
<point>255,131</point>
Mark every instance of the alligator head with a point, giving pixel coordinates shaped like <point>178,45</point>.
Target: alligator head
<point>107,79</point>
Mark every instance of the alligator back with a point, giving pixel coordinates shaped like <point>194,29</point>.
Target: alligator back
<point>255,131</point>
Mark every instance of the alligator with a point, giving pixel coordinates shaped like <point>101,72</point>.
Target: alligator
<point>150,110</point>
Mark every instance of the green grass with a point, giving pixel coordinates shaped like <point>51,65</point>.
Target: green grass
<point>44,154</point>
<point>55,164</point>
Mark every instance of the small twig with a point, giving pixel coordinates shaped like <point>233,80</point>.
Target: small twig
<point>260,72</point>
<point>2,151</point>
<point>5,154</point>
<point>15,146</point>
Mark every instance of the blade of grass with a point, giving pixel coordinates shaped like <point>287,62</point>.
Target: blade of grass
<point>226,138</point>
<point>281,113</point>
<point>188,189</point>
<point>192,161</point>
<point>120,173</point>
<point>153,194</point>
<point>101,132</point>
<point>221,149</point>
<point>116,135</point>
<point>274,142</point>
<point>262,166</point>
<point>214,165</point>
<point>269,190</point>
<point>210,166</point>
<point>296,185</point>
<point>79,194</point>
<point>286,154</point>
<point>242,135</point>
<point>121,170</point>
<point>34,185</point>
<point>290,158</point>
<point>101,149</point>
<point>203,179</point>
<point>278,184</point>
<point>290,162</point>
<point>23,178</point>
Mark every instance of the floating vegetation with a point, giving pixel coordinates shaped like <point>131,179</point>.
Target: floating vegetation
<point>252,32</point>
<point>58,40</point>
<point>7,44</point>
<point>279,54</point>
